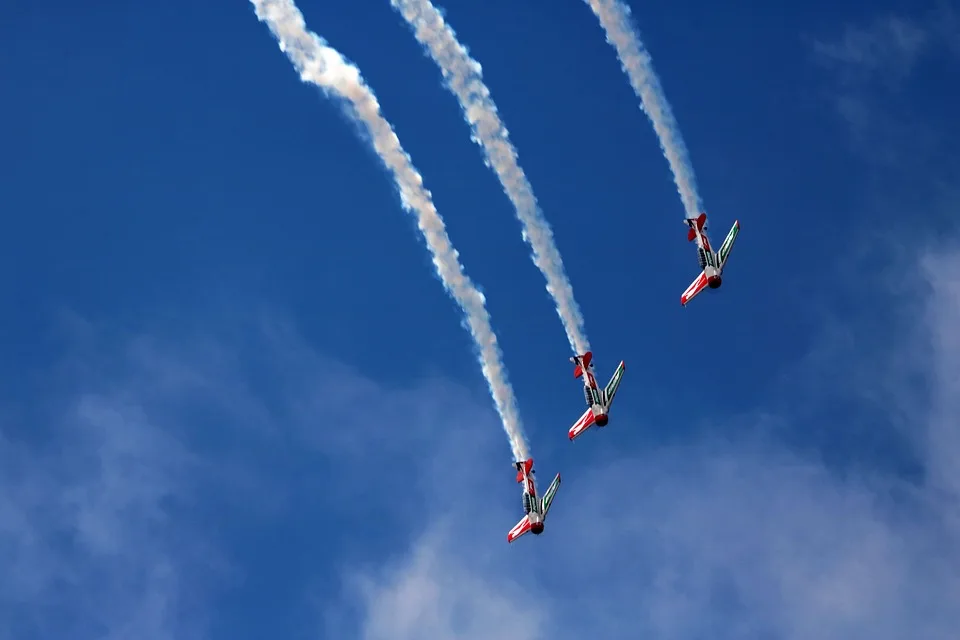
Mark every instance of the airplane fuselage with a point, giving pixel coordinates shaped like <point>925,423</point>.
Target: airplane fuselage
<point>535,508</point>
<point>591,393</point>
<point>709,260</point>
<point>598,400</point>
<point>536,522</point>
<point>531,505</point>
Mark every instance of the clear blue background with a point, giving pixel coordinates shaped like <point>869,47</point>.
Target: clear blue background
<point>166,174</point>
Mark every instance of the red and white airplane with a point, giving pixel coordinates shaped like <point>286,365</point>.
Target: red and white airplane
<point>535,508</point>
<point>711,262</point>
<point>598,400</point>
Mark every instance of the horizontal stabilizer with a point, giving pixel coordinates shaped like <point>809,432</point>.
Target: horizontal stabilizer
<point>584,362</point>
<point>699,221</point>
<point>523,467</point>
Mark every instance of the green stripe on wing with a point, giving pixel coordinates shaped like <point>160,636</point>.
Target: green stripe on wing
<point>611,389</point>
<point>548,496</point>
<point>728,243</point>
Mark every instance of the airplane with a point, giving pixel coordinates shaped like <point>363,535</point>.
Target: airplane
<point>711,262</point>
<point>535,508</point>
<point>598,401</point>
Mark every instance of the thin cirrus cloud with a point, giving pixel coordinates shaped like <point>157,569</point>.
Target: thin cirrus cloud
<point>123,518</point>
<point>726,538</point>
<point>129,487</point>
<point>91,543</point>
<point>889,47</point>
<point>880,58</point>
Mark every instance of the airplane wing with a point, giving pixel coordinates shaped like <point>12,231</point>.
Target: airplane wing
<point>728,243</point>
<point>521,528</point>
<point>695,288</point>
<point>611,389</point>
<point>582,424</point>
<point>547,499</point>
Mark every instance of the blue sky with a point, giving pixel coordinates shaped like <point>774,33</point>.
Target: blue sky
<point>235,401</point>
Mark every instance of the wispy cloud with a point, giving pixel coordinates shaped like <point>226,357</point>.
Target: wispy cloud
<point>942,437</point>
<point>872,67</point>
<point>97,525</point>
<point>119,510</point>
<point>720,537</point>
<point>888,49</point>
<point>132,486</point>
<point>425,595</point>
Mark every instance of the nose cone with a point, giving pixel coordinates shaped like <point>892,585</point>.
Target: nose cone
<point>715,282</point>
<point>602,420</point>
<point>536,528</point>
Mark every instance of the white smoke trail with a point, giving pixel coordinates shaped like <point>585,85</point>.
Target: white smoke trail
<point>464,78</point>
<point>636,62</point>
<point>323,66</point>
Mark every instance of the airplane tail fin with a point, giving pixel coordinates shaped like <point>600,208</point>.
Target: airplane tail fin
<point>582,364</point>
<point>699,221</point>
<point>523,467</point>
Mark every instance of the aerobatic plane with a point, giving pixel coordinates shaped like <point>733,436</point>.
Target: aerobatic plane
<point>535,508</point>
<point>711,262</point>
<point>598,400</point>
